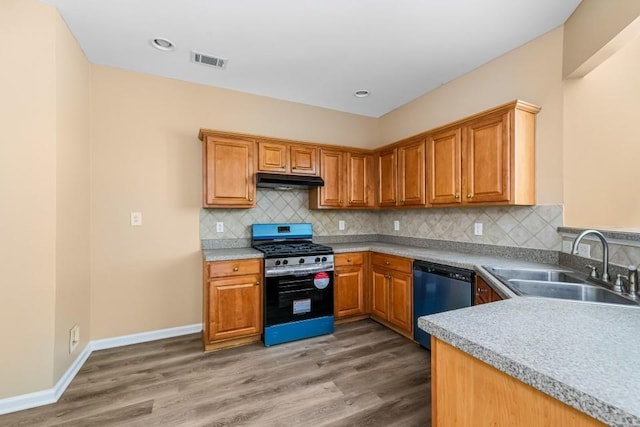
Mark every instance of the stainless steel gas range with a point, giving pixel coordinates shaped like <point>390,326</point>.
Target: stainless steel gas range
<point>298,292</point>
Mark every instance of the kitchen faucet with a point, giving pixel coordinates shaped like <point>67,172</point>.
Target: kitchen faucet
<point>605,250</point>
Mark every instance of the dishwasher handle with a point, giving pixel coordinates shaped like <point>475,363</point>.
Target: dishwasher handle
<point>445,271</point>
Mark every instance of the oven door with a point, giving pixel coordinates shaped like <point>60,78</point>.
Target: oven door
<point>293,297</point>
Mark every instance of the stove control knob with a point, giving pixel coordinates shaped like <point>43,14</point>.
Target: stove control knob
<point>285,262</point>
<point>318,259</point>
<point>324,258</point>
<point>278,262</point>
<point>301,261</point>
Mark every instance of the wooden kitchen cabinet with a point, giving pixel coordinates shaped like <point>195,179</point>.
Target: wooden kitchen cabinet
<point>348,180</point>
<point>387,175</point>
<point>488,159</point>
<point>484,293</point>
<point>349,286</point>
<point>392,292</point>
<point>232,303</point>
<point>467,392</point>
<point>401,175</point>
<point>228,171</point>
<point>286,158</point>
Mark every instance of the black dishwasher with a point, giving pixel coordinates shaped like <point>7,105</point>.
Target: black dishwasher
<point>438,288</point>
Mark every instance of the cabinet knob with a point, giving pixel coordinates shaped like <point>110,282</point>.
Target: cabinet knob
<point>340,201</point>
<point>350,201</point>
<point>251,199</point>
<point>293,167</point>
<point>480,290</point>
<point>394,200</point>
<point>457,196</point>
<point>348,259</point>
<point>235,268</point>
<point>387,263</point>
<point>257,283</point>
<point>468,195</point>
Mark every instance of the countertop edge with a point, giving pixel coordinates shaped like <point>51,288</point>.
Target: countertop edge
<point>560,391</point>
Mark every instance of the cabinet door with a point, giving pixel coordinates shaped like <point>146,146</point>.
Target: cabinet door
<point>401,301</point>
<point>380,295</point>
<point>483,292</point>
<point>487,163</point>
<point>331,171</point>
<point>411,174</point>
<point>359,180</point>
<point>235,307</point>
<point>229,172</point>
<point>272,156</point>
<point>443,166</point>
<point>387,173</point>
<point>303,160</point>
<point>349,291</point>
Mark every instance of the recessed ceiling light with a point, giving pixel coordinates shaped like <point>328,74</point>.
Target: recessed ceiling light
<point>361,93</point>
<point>162,44</point>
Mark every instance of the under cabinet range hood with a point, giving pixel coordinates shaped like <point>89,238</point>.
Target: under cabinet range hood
<point>287,182</point>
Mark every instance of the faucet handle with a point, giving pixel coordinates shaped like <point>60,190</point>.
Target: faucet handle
<point>594,271</point>
<point>619,285</point>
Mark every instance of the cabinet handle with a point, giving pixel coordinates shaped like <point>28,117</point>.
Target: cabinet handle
<point>480,290</point>
<point>468,195</point>
<point>457,196</point>
<point>235,268</point>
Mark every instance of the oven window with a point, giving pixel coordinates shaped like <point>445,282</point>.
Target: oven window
<point>291,298</point>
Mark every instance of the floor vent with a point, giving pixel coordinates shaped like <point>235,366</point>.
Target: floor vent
<point>212,61</point>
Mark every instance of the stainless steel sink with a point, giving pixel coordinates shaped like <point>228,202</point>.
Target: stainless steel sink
<point>534,274</point>
<point>572,291</point>
<point>556,283</point>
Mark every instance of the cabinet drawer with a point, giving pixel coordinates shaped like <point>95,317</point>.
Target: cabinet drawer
<point>354,258</point>
<point>234,268</point>
<point>392,262</point>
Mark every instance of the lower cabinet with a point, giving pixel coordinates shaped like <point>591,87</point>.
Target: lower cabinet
<point>392,292</point>
<point>484,293</point>
<point>350,296</point>
<point>467,392</point>
<point>232,303</point>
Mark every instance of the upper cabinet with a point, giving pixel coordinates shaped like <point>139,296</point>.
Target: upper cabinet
<point>283,157</point>
<point>228,171</point>
<point>348,180</point>
<point>488,159</point>
<point>401,174</point>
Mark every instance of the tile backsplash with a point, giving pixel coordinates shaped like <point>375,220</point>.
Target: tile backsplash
<point>520,226</point>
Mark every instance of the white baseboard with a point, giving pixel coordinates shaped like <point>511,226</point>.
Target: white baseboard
<point>51,395</point>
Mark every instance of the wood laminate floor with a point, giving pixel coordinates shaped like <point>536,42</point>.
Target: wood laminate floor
<point>362,375</point>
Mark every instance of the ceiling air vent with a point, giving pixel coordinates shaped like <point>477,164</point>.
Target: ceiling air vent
<point>212,61</point>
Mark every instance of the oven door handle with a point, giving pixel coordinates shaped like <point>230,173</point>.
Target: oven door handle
<point>297,271</point>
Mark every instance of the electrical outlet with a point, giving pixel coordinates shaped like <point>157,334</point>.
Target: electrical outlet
<point>396,225</point>
<point>219,227</point>
<point>584,250</point>
<point>74,338</point>
<point>340,225</point>
<point>477,229</point>
<point>136,218</point>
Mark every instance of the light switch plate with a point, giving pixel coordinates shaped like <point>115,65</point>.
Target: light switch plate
<point>136,218</point>
<point>340,225</point>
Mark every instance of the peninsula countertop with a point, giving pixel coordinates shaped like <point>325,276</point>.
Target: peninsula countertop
<point>583,354</point>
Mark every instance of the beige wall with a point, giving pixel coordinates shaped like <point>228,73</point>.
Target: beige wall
<point>594,32</point>
<point>146,157</point>
<point>28,194</point>
<point>532,73</point>
<point>72,197</point>
<point>602,144</point>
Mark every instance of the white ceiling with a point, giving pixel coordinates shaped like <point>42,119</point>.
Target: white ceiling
<point>315,52</point>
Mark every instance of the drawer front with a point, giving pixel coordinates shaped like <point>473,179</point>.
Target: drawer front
<point>354,258</point>
<point>234,268</point>
<point>392,262</point>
